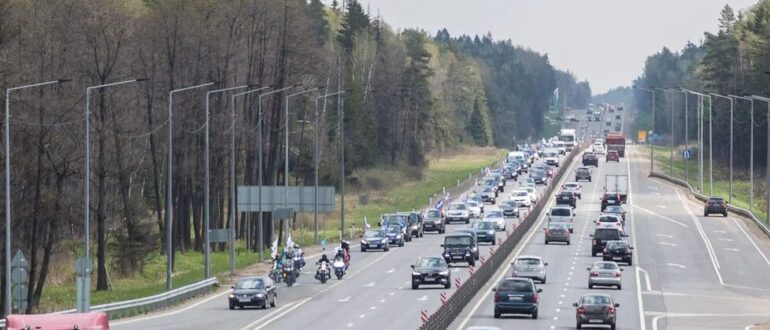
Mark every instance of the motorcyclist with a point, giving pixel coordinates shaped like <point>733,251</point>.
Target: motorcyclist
<point>323,259</point>
<point>298,252</point>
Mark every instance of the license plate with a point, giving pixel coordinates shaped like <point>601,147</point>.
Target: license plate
<point>611,202</point>
<point>617,258</point>
<point>244,300</point>
<point>457,257</point>
<point>595,321</point>
<point>430,278</point>
<point>514,298</point>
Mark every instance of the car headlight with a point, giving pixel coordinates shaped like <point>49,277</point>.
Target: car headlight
<point>364,242</point>
<point>260,295</point>
<point>231,296</point>
<point>415,227</point>
<point>491,232</point>
<point>384,240</point>
<point>446,272</point>
<point>398,236</point>
<point>542,271</point>
<point>416,274</point>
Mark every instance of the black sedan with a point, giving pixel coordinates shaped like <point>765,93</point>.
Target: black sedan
<point>395,236</point>
<point>539,177</point>
<point>431,270</point>
<point>566,198</point>
<point>375,239</point>
<point>253,291</point>
<point>596,309</point>
<point>618,251</point>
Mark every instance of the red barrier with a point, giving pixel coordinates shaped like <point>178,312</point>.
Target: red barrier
<point>470,269</point>
<point>457,282</point>
<point>443,298</point>
<point>424,316</point>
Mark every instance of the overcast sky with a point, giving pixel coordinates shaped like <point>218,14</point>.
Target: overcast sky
<point>602,41</point>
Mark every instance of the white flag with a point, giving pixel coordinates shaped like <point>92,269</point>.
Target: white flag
<point>289,242</point>
<point>274,249</point>
<point>366,224</point>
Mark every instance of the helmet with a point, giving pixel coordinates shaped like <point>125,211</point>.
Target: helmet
<point>296,246</point>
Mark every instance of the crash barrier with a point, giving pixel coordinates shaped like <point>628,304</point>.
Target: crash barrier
<point>703,198</point>
<point>143,305</point>
<point>443,317</point>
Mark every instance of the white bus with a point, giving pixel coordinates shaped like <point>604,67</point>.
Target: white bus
<point>569,137</point>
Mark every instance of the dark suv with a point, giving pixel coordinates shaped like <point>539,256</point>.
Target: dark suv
<point>433,221</point>
<point>397,219</point>
<point>431,270</point>
<point>457,248</point>
<point>566,198</point>
<point>715,205</point>
<point>516,295</point>
<point>414,224</point>
<point>610,198</point>
<point>583,173</point>
<point>589,158</point>
<point>618,251</point>
<point>603,235</point>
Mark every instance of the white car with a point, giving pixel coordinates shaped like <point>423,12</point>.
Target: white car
<point>495,215</point>
<point>458,212</point>
<point>598,149</point>
<point>573,187</point>
<point>609,221</point>
<point>599,141</point>
<point>522,198</point>
<point>532,194</point>
<point>474,208</point>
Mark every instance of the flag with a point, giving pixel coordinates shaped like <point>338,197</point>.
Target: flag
<point>366,224</point>
<point>289,242</point>
<point>274,249</point>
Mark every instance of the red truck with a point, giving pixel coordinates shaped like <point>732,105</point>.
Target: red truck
<point>616,141</point>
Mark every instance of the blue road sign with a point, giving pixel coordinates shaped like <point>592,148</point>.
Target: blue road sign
<point>686,154</point>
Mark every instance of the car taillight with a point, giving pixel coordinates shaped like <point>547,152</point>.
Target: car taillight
<point>497,297</point>
<point>581,310</point>
<point>605,251</point>
<point>616,274</point>
<point>594,274</point>
<point>535,297</point>
<point>594,242</point>
<point>611,310</point>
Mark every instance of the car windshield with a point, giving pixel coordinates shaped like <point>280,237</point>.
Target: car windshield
<point>394,219</point>
<point>557,225</point>
<point>457,241</point>
<point>394,229</point>
<point>527,262</point>
<point>607,234</point>
<point>250,284</point>
<point>374,234</point>
<point>457,207</point>
<point>515,286</point>
<point>520,193</point>
<point>595,300</point>
<point>616,245</point>
<point>605,266</point>
<point>489,189</point>
<point>433,214</point>
<point>508,204</point>
<point>472,204</point>
<point>493,214</point>
<point>613,209</point>
<point>566,194</point>
<point>538,174</point>
<point>561,212</point>
<point>430,262</point>
<point>483,225</point>
<point>608,219</point>
<point>490,182</point>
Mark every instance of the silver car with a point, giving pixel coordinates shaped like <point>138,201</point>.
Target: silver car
<point>510,208</point>
<point>573,187</point>
<point>495,216</point>
<point>605,273</point>
<point>562,215</point>
<point>530,267</point>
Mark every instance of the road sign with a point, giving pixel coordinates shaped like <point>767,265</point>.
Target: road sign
<point>363,199</point>
<point>19,282</point>
<point>19,260</point>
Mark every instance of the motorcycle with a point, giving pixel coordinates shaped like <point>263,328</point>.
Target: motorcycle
<point>299,261</point>
<point>289,273</point>
<point>339,267</point>
<point>323,272</point>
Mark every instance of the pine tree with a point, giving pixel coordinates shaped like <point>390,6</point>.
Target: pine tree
<point>477,126</point>
<point>317,13</point>
<point>355,21</point>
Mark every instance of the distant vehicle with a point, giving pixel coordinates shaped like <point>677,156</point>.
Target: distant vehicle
<point>433,221</point>
<point>539,176</point>
<point>561,146</point>
<point>510,208</point>
<point>598,149</point>
<point>609,221</point>
<point>618,210</point>
<point>562,215</point>
<point>521,197</point>
<point>596,309</point>
<point>375,239</point>
<point>496,217</point>
<point>394,234</point>
<point>457,248</point>
<point>551,156</point>
<point>605,273</point>
<point>566,198</point>
<point>617,183</point>
<point>474,241</point>
<point>519,157</point>
<point>601,236</point>
<point>557,232</point>
<point>573,187</point>
<point>458,212</point>
<point>530,267</point>
<point>431,270</point>
<point>568,137</point>
<point>474,208</point>
<point>398,219</point>
<point>715,205</point>
<point>485,231</point>
<point>590,158</point>
<point>610,198</point>
<point>612,156</point>
<point>618,251</point>
<point>617,142</point>
<point>488,195</point>
<point>515,295</point>
<point>532,193</point>
<point>414,224</point>
<point>253,291</point>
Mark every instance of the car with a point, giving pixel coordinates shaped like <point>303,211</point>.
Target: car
<point>598,149</point>
<point>532,191</point>
<point>557,232</point>
<point>596,309</point>
<point>530,267</point>
<point>607,220</point>
<point>474,208</point>
<point>431,270</point>
<point>573,187</point>
<point>715,205</point>
<point>489,182</point>
<point>458,248</point>
<point>495,216</point>
<point>476,198</point>
<point>414,224</point>
<point>539,176</point>
<point>488,195</point>
<point>552,158</point>
<point>522,198</point>
<point>485,231</point>
<point>610,198</point>
<point>510,208</point>
<point>601,236</point>
<point>566,198</point>
<point>395,236</point>
<point>474,241</point>
<point>511,172</point>
<point>398,219</point>
<point>562,215</point>
<point>600,141</point>
<point>458,212</point>
<point>525,185</point>
<point>605,273</point>
<point>515,295</point>
<point>612,155</point>
<point>583,173</point>
<point>432,220</point>
<point>253,291</point>
<point>590,158</point>
<point>616,209</point>
<point>618,251</point>
<point>375,239</point>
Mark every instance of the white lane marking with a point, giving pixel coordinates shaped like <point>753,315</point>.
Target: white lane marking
<point>725,240</point>
<point>382,301</point>
<point>632,218</point>
<point>423,298</point>
<point>558,310</point>
<point>661,206</point>
<point>369,284</point>
<point>752,241</point>
<point>298,304</point>
<point>346,299</point>
<point>562,296</point>
<point>667,243</point>
<point>646,278</point>
<point>719,231</point>
<point>651,187</point>
<point>676,265</point>
<point>661,216</point>
<point>669,315</point>
<point>560,302</point>
<point>657,193</point>
<point>555,318</point>
<point>731,249</point>
<point>362,316</point>
<point>372,308</point>
<point>350,325</point>
<point>664,235</point>
<point>391,270</point>
<point>390,294</point>
<point>709,247</point>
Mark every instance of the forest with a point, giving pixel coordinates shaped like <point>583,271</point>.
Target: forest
<point>407,94</point>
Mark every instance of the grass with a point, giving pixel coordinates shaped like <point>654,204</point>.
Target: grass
<point>389,189</point>
<point>688,170</point>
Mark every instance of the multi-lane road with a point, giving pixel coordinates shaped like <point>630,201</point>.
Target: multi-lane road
<point>689,272</point>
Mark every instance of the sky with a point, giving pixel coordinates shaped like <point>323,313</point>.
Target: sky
<point>603,41</point>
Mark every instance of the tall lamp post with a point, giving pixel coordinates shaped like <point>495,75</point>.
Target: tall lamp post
<point>169,184</point>
<point>84,295</point>
<point>767,165</point>
<point>751,149</point>
<point>286,148</point>
<point>316,164</point>
<point>652,139</point>
<point>7,141</point>
<point>206,229</point>
<point>671,103</point>
<point>700,146</point>
<point>732,107</point>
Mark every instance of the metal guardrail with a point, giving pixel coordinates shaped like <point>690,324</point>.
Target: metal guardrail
<point>737,210</point>
<point>142,305</point>
<point>443,317</point>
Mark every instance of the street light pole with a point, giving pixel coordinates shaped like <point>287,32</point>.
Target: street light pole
<point>7,141</point>
<point>652,137</point>
<point>315,161</point>
<point>701,96</point>
<point>671,103</point>
<point>767,154</point>
<point>732,106</point>
<point>286,151</point>
<point>84,297</point>
<point>751,149</point>
<point>206,189</point>
<point>169,187</point>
